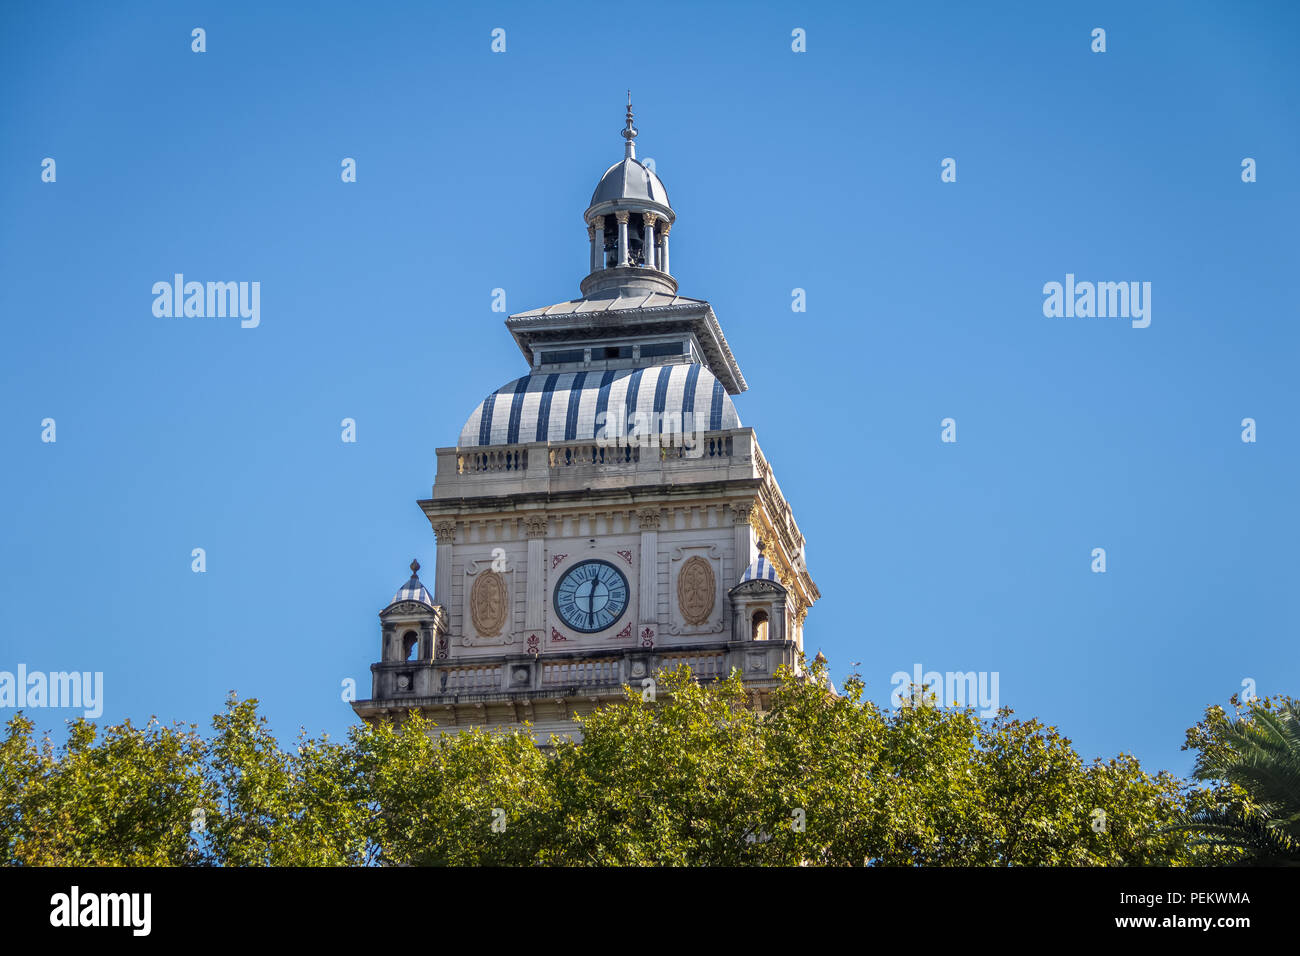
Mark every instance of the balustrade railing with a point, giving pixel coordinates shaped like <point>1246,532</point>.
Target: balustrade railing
<point>581,672</point>
<point>460,680</point>
<point>507,458</point>
<point>703,665</point>
<point>591,453</point>
<point>665,447</point>
<point>450,679</point>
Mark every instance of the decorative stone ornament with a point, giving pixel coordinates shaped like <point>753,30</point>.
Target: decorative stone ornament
<point>696,590</point>
<point>488,603</point>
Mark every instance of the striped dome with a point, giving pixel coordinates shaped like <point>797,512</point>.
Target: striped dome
<point>760,570</point>
<point>573,406</point>
<point>413,590</point>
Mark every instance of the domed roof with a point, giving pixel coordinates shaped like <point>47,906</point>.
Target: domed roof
<point>760,570</point>
<point>413,590</point>
<point>629,179</point>
<point>575,406</point>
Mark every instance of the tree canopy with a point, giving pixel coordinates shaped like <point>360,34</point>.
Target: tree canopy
<point>693,776</point>
<point>1250,814</point>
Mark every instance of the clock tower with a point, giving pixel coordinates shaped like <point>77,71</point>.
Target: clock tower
<point>605,516</point>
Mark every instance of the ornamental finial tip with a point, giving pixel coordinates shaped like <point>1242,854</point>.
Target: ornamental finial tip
<point>415,566</point>
<point>629,132</point>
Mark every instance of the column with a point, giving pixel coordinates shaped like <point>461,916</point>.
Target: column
<point>535,582</point>
<point>663,250</point>
<point>446,532</point>
<point>648,518</point>
<point>596,232</point>
<point>648,220</point>
<point>776,629</point>
<point>622,237</point>
<point>744,536</point>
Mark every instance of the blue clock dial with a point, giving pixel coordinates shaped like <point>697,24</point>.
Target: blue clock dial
<point>591,596</point>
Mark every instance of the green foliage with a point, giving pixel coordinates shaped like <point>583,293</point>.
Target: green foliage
<point>435,801</point>
<point>272,808</point>
<point>1250,812</point>
<point>693,777</point>
<point>677,781</point>
<point>931,786</point>
<point>122,798</point>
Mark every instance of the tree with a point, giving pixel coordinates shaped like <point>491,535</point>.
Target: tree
<point>120,798</point>
<point>926,785</point>
<point>474,798</point>
<point>266,807</point>
<point>1250,814</point>
<point>674,780</point>
<point>692,775</point>
<point>695,777</point>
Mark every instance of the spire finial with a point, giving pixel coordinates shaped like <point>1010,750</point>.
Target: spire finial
<point>630,132</point>
<point>415,567</point>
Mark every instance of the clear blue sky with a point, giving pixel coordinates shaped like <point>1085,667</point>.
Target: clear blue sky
<point>817,170</point>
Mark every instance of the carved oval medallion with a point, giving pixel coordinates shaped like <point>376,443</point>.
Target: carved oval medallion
<point>488,603</point>
<point>696,589</point>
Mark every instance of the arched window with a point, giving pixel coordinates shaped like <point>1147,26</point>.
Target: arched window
<point>759,630</point>
<point>410,641</point>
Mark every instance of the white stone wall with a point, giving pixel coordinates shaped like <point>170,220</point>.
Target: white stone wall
<point>685,530</point>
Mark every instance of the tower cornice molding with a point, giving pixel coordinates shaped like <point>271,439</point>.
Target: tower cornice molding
<point>578,316</point>
<point>609,207</point>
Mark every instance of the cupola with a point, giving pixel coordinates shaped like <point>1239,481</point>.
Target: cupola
<point>628,223</point>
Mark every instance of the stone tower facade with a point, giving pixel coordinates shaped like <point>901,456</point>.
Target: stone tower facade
<point>604,516</point>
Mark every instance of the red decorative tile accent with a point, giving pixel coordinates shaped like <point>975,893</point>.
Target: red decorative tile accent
<point>626,632</point>
<point>648,638</point>
<point>556,559</point>
<point>557,636</point>
<point>534,646</point>
<point>626,556</point>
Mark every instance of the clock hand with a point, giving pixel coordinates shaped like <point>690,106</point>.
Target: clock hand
<point>591,605</point>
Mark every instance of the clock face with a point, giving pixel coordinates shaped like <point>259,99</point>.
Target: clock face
<point>591,596</point>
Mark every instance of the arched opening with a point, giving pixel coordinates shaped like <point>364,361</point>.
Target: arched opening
<point>636,244</point>
<point>410,641</point>
<point>758,630</point>
<point>610,242</point>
